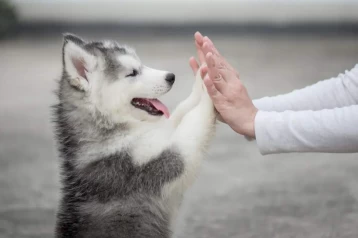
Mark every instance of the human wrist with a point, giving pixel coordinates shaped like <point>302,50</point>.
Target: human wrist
<point>248,129</point>
<point>251,128</point>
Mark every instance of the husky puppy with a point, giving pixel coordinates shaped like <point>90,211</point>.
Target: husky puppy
<point>125,161</point>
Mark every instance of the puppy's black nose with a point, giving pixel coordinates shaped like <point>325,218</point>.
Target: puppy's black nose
<point>170,78</point>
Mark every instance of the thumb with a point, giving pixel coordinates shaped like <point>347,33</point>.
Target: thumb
<point>193,65</point>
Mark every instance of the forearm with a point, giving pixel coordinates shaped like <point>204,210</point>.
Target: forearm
<point>335,92</point>
<point>331,131</point>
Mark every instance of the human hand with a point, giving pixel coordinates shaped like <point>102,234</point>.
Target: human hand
<point>227,92</point>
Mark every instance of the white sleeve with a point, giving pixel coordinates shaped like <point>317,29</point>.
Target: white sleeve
<point>335,92</point>
<point>330,130</point>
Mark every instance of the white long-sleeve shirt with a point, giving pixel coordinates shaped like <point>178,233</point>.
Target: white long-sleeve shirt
<point>319,118</point>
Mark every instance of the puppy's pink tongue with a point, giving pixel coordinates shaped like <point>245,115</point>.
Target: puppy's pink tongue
<point>160,107</point>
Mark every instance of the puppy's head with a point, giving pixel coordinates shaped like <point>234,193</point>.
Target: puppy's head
<point>112,80</point>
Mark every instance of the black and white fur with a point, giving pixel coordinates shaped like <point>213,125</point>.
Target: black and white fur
<point>124,171</point>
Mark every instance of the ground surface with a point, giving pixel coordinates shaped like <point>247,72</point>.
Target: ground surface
<point>239,193</point>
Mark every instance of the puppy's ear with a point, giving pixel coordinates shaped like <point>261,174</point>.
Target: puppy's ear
<point>77,61</point>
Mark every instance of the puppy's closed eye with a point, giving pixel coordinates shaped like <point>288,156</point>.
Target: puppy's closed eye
<point>133,74</point>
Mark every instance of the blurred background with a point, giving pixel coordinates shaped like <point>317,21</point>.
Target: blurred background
<point>276,45</point>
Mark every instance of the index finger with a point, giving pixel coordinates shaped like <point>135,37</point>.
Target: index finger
<point>199,38</point>
<point>211,46</point>
<point>208,46</point>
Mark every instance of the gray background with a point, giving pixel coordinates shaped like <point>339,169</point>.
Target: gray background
<point>277,46</point>
<point>239,193</point>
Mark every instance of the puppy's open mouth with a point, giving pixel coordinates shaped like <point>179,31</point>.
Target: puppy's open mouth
<point>152,106</point>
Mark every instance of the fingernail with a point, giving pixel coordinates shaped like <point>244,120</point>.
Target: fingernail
<point>199,36</point>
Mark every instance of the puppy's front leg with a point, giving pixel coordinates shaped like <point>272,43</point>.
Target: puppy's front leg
<point>189,103</point>
<point>191,138</point>
<point>194,133</point>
